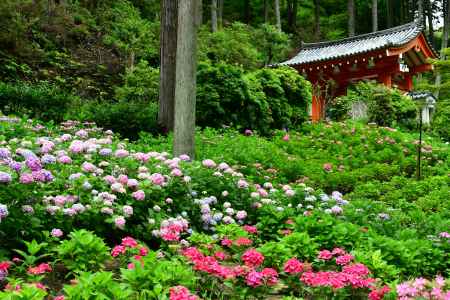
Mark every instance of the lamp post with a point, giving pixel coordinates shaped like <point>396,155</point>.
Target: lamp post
<point>421,104</point>
<point>419,151</point>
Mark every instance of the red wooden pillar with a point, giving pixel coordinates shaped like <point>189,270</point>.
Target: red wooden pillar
<point>386,79</point>
<point>408,82</point>
<point>315,109</point>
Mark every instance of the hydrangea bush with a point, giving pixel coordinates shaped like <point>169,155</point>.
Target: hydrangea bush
<point>82,212</point>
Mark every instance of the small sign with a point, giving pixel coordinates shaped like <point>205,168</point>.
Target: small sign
<point>404,68</point>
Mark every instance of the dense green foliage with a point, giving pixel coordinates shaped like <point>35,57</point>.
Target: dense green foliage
<point>386,107</point>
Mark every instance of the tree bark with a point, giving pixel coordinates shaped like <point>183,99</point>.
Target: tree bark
<point>277,14</point>
<point>390,14</point>
<point>220,14</point>
<point>213,15</point>
<point>266,11</point>
<point>446,8</point>
<point>351,17</point>
<point>199,12</point>
<point>247,12</point>
<point>186,64</point>
<point>374,15</point>
<point>292,6</point>
<point>168,52</point>
<point>317,19</point>
<point>430,22</point>
<point>421,13</point>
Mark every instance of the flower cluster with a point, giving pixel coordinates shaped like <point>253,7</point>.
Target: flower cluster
<point>40,269</point>
<point>422,288</point>
<point>181,293</point>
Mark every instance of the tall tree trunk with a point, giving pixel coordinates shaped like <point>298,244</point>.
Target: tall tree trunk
<point>186,64</point>
<point>390,14</point>
<point>213,15</point>
<point>292,6</point>
<point>247,12</point>
<point>199,12</point>
<point>266,11</point>
<point>168,52</point>
<point>277,14</point>
<point>220,14</point>
<point>351,17</point>
<point>317,19</point>
<point>430,22</point>
<point>446,8</point>
<point>374,15</point>
<point>421,13</point>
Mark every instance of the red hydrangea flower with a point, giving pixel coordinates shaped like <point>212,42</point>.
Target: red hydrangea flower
<point>242,241</point>
<point>338,251</point>
<point>4,266</point>
<point>226,242</point>
<point>181,293</point>
<point>344,259</point>
<point>250,229</point>
<point>325,255</point>
<point>220,255</point>
<point>40,269</point>
<point>129,242</point>
<point>254,279</point>
<point>252,258</point>
<point>270,275</point>
<point>143,251</point>
<point>119,249</point>
<point>293,266</point>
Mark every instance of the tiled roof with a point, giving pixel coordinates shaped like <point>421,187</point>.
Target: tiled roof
<point>323,51</point>
<point>421,95</point>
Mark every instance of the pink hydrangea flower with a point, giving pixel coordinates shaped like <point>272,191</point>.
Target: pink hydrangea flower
<point>254,279</point>
<point>252,258</point>
<point>325,255</point>
<point>293,266</point>
<point>344,259</point>
<point>181,293</point>
<point>208,163</point>
<point>138,195</point>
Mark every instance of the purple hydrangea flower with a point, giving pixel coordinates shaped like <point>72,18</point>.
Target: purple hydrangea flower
<point>5,177</point>
<point>3,211</point>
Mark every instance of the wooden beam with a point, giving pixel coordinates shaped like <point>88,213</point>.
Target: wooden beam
<point>422,68</point>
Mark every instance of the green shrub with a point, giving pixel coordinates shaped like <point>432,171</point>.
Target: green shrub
<point>83,251</point>
<point>126,118</point>
<point>441,120</point>
<point>141,83</point>
<point>225,96</point>
<point>385,106</point>
<point>261,100</point>
<point>40,100</point>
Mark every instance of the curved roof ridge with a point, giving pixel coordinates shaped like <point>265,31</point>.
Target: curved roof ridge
<point>412,25</point>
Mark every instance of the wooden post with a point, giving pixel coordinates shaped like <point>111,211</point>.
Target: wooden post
<point>408,82</point>
<point>186,66</point>
<point>386,79</point>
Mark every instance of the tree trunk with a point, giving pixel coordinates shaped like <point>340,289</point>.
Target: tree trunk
<point>390,14</point>
<point>247,13</point>
<point>317,19</point>
<point>220,14</point>
<point>186,64</point>
<point>168,52</point>
<point>292,6</point>
<point>199,12</point>
<point>374,15</point>
<point>351,17</point>
<point>266,11</point>
<point>446,8</point>
<point>213,15</point>
<point>277,14</point>
<point>420,12</point>
<point>430,22</point>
